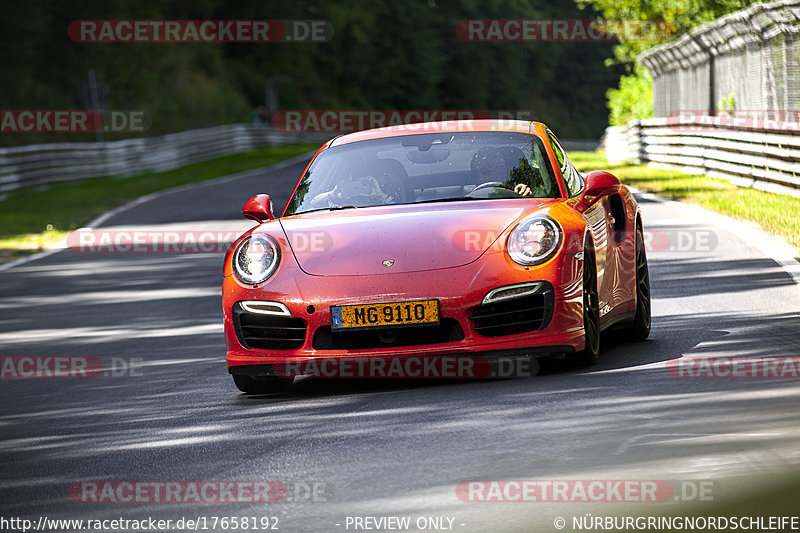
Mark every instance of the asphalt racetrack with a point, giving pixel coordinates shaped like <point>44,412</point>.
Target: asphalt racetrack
<point>168,411</point>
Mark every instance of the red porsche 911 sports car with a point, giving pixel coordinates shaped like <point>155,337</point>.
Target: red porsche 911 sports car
<point>456,239</point>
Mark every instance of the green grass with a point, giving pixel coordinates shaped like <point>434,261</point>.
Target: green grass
<point>775,213</point>
<point>35,218</point>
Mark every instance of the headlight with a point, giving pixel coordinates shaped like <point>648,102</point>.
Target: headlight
<point>256,259</point>
<point>535,239</point>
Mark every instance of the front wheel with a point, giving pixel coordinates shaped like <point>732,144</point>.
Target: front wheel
<point>267,385</point>
<point>591,314</point>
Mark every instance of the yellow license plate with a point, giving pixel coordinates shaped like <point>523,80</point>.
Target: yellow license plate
<point>384,314</point>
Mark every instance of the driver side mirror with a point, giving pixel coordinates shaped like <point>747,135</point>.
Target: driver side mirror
<point>599,184</point>
<point>258,208</point>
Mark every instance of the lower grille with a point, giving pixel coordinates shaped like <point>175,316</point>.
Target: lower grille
<point>268,332</point>
<point>448,330</point>
<point>515,315</point>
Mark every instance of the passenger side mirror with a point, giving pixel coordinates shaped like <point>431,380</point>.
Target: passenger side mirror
<point>258,208</point>
<point>599,184</point>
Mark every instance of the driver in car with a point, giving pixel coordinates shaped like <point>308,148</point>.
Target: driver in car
<point>489,165</point>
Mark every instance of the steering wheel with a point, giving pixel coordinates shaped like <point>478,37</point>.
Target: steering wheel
<point>487,185</point>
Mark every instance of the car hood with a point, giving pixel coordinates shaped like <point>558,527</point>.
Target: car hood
<point>405,238</point>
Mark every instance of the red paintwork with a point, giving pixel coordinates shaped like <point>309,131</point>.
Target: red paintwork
<point>399,232</point>
<point>430,264</point>
<point>599,183</point>
<point>258,208</point>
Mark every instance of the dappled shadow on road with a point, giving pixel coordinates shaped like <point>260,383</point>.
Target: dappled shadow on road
<point>117,304</point>
<point>181,417</point>
<point>679,277</point>
<point>183,420</point>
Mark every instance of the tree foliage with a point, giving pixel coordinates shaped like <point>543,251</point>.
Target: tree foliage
<point>383,55</point>
<point>633,97</point>
<point>679,16</point>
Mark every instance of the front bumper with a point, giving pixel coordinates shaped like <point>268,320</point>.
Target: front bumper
<point>459,290</point>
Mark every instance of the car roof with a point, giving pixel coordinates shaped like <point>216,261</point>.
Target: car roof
<point>450,126</point>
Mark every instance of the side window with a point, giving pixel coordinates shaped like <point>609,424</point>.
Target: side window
<point>557,150</point>
<point>572,179</point>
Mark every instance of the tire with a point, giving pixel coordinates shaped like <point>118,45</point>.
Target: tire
<point>639,329</point>
<point>590,355</point>
<point>267,385</point>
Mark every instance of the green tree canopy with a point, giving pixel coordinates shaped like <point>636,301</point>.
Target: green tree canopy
<point>383,55</point>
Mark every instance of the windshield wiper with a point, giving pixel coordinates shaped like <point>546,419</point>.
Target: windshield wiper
<point>334,208</point>
<point>454,199</point>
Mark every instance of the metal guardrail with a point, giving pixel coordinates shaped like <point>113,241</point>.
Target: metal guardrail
<point>40,164</point>
<point>763,159</point>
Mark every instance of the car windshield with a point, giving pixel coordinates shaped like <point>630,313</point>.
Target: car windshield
<point>426,168</point>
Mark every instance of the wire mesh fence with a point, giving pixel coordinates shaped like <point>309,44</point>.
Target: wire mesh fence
<point>745,61</point>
